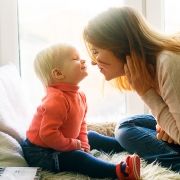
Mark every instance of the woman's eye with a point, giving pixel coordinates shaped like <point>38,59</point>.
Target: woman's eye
<point>94,52</point>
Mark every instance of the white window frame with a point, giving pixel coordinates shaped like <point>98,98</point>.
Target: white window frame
<point>9,40</point>
<point>9,43</point>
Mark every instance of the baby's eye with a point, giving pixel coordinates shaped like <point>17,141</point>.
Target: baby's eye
<point>76,59</point>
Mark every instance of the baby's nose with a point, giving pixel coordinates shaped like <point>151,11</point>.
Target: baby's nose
<point>83,61</point>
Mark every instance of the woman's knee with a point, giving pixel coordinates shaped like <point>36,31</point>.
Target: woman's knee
<point>127,127</point>
<point>144,120</point>
<point>123,131</point>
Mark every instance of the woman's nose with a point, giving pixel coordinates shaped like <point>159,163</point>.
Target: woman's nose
<point>93,63</point>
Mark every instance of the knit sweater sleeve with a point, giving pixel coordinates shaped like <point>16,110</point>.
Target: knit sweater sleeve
<point>83,130</point>
<point>165,105</point>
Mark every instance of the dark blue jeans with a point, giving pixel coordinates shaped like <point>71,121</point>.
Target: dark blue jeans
<point>137,134</point>
<point>75,161</point>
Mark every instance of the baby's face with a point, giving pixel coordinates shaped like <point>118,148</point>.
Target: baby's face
<point>74,68</point>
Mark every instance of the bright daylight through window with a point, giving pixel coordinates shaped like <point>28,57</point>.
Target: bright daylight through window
<point>172,18</point>
<point>43,22</point>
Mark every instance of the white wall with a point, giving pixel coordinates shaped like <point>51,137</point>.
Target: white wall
<point>9,50</point>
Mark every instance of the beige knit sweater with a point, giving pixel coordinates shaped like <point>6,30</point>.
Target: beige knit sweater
<point>165,105</point>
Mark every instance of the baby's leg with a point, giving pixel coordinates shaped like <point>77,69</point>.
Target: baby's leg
<point>103,143</point>
<point>84,163</point>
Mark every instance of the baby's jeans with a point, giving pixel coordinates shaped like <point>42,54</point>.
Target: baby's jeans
<point>73,161</point>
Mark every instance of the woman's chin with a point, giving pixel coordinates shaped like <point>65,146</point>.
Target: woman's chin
<point>107,78</point>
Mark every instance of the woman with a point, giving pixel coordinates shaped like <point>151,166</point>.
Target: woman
<point>137,57</point>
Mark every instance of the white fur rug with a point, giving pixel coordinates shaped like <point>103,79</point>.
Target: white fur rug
<point>148,171</point>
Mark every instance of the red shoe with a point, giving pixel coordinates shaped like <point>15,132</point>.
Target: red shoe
<point>132,168</point>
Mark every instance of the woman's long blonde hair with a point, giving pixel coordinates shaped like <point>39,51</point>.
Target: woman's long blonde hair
<point>124,31</point>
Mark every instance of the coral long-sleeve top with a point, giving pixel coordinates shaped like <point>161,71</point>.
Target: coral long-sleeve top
<point>60,119</point>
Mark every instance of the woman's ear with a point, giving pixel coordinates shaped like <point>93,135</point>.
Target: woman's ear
<point>57,74</point>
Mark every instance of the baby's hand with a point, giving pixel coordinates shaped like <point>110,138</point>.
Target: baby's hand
<point>78,144</point>
<point>87,151</point>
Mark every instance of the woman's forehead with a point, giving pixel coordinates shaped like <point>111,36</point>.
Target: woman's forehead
<point>91,46</point>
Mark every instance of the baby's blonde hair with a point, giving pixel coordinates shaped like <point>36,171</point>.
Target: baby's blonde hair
<point>49,58</point>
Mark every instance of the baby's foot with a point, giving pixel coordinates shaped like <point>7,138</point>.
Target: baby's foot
<point>131,168</point>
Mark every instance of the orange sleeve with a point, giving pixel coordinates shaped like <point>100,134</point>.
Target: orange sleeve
<point>83,136</point>
<point>83,131</point>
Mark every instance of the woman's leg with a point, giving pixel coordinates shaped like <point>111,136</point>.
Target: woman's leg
<point>103,143</point>
<point>137,134</point>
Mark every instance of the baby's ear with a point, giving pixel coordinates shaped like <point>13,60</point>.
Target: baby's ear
<point>57,74</point>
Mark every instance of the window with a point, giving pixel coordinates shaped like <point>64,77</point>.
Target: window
<point>172,20</point>
<point>34,35</point>
<point>44,22</point>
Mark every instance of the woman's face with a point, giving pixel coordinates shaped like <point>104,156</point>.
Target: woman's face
<point>110,66</point>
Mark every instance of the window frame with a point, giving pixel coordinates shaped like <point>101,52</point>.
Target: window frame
<point>9,38</point>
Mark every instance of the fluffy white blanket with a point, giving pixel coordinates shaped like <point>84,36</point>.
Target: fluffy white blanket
<point>10,152</point>
<point>15,108</point>
<point>15,115</point>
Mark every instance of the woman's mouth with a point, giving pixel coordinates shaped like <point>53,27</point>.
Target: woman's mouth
<point>100,69</point>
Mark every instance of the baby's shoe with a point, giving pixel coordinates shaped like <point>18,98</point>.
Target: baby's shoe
<point>129,170</point>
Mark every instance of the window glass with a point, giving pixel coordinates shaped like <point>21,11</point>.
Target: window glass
<point>43,22</point>
<point>172,18</point>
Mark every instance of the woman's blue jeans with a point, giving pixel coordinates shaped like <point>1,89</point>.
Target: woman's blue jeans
<point>137,134</point>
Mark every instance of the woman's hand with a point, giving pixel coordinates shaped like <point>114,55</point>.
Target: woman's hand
<point>135,77</point>
<point>162,135</point>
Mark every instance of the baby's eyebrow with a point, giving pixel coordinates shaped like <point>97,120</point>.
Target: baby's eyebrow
<point>76,57</point>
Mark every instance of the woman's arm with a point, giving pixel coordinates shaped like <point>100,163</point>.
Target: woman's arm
<point>165,105</point>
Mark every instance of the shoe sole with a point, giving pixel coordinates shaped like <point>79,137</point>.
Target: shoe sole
<point>135,162</point>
